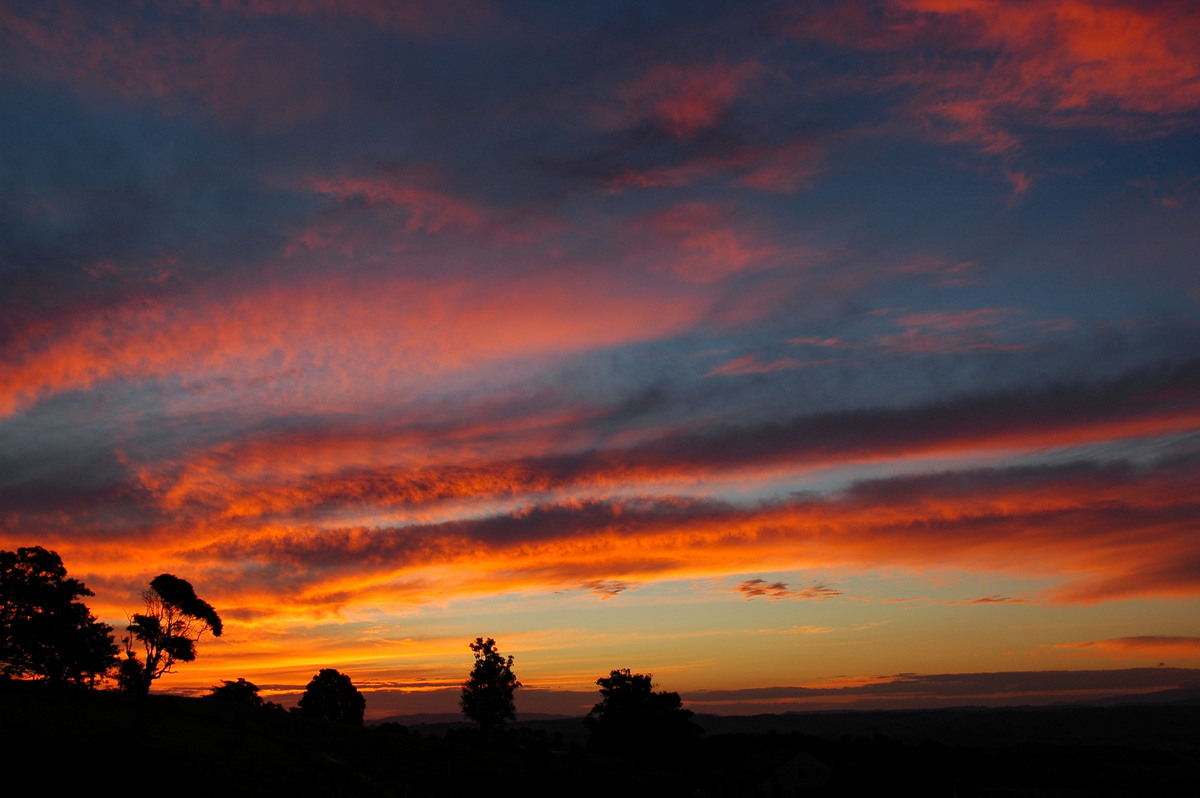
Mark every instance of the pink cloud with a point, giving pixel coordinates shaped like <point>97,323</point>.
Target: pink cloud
<point>428,210</point>
<point>956,320</point>
<point>948,272</point>
<point>750,364</point>
<point>780,169</point>
<point>698,243</point>
<point>684,99</point>
<point>939,332</point>
<point>812,340</point>
<point>784,169</point>
<point>349,336</point>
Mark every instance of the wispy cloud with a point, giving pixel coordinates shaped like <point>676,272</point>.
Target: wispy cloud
<point>759,588</point>
<point>1143,645</point>
<point>607,589</point>
<point>682,99</point>
<point>1000,600</point>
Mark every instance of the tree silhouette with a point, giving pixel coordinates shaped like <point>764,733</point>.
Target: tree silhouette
<point>487,696</point>
<point>173,621</point>
<point>45,633</point>
<point>332,696</point>
<point>632,718</point>
<point>239,692</point>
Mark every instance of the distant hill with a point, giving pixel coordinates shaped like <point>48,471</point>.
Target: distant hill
<point>1179,696</point>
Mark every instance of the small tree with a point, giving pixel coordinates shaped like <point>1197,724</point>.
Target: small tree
<point>332,696</point>
<point>239,692</point>
<point>632,718</point>
<point>487,696</point>
<point>173,621</point>
<point>45,632</point>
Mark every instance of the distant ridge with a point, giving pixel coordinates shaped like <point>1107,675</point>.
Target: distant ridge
<point>1187,696</point>
<point>456,719</point>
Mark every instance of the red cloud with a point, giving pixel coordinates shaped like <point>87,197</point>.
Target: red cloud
<point>427,466</point>
<point>975,64</point>
<point>1073,55</point>
<point>684,99</point>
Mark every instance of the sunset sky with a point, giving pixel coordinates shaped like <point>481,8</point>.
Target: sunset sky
<point>848,346</point>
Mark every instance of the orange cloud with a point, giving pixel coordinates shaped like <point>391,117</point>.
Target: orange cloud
<point>1156,646</point>
<point>1084,530</point>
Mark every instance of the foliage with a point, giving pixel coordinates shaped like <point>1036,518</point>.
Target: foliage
<point>332,696</point>
<point>45,633</point>
<point>239,692</point>
<point>173,621</point>
<point>487,696</point>
<point>632,717</point>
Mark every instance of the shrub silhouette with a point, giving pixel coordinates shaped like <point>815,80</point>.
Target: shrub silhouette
<point>236,692</point>
<point>332,696</point>
<point>632,718</point>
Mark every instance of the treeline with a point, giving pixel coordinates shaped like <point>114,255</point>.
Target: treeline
<point>47,633</point>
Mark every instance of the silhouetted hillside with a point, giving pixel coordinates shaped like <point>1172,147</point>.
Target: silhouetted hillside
<point>195,747</point>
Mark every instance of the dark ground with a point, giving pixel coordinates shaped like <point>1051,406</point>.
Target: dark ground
<point>79,740</point>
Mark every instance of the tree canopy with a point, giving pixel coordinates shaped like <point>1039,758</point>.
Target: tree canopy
<point>173,621</point>
<point>632,717</point>
<point>487,695</point>
<point>236,692</point>
<point>45,632</point>
<point>332,696</point>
